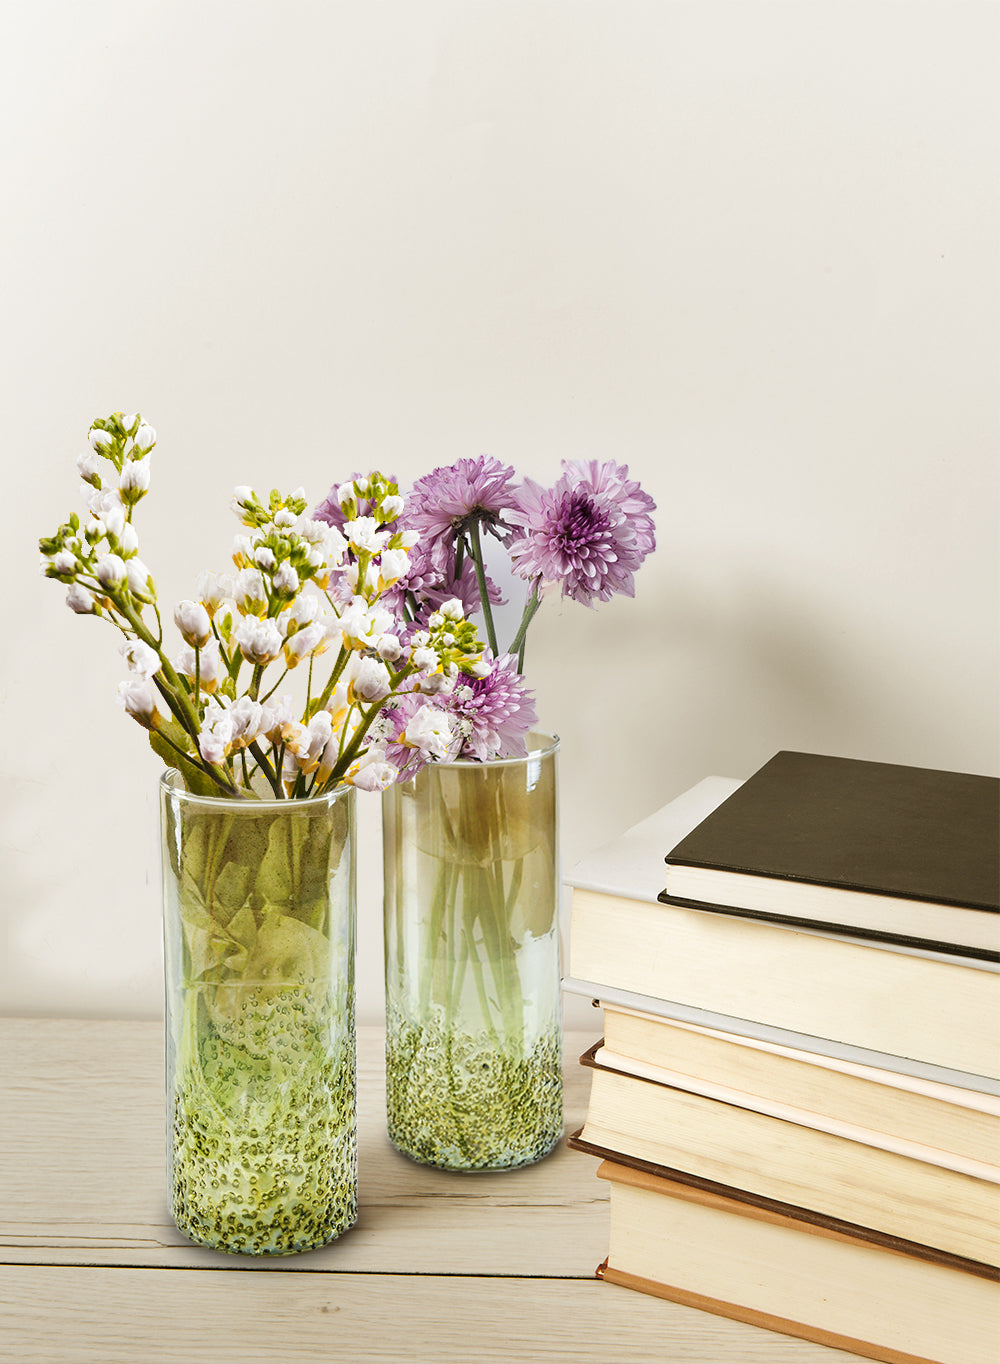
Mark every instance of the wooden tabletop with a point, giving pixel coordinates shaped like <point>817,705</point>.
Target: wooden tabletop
<point>440,1267</point>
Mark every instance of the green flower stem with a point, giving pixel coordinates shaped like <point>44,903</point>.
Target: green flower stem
<point>267,769</point>
<point>532,605</point>
<point>484,596</point>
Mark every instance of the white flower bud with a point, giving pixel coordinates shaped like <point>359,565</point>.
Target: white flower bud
<point>138,699</point>
<point>88,467</point>
<point>192,620</point>
<point>286,581</point>
<point>208,664</point>
<point>452,609</point>
<point>392,507</point>
<point>78,599</point>
<point>264,557</point>
<point>285,517</point>
<point>389,648</point>
<point>373,776</point>
<point>128,541</point>
<point>145,437</point>
<point>141,659</point>
<point>133,481</point>
<point>64,561</point>
<point>100,441</point>
<point>249,592</point>
<point>111,571</point>
<point>370,680</point>
<point>129,420</point>
<point>393,563</point>
<point>304,642</point>
<point>140,580</point>
<point>213,589</point>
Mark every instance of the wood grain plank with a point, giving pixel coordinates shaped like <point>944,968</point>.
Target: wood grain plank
<point>119,1316</point>
<point>82,1151</point>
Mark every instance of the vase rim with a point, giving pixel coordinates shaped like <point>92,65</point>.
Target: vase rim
<point>172,784</point>
<point>539,746</point>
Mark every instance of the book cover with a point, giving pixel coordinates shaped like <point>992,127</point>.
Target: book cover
<point>904,853</point>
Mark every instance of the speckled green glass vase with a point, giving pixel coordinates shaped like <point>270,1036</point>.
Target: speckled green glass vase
<point>259,907</point>
<point>473,1012</point>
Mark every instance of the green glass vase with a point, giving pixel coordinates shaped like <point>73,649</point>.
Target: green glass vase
<point>259,911</point>
<point>472,978</point>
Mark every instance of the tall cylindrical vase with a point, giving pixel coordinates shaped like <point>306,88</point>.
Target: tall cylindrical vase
<point>473,1011</point>
<point>259,908</point>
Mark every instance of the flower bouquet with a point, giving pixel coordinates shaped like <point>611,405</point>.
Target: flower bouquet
<point>257,816</point>
<point>473,1042</point>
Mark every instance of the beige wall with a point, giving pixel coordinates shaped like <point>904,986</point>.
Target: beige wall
<point>747,247</point>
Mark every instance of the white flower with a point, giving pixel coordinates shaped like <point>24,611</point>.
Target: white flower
<point>110,570</point>
<point>304,642</point>
<point>345,494</point>
<point>304,609</point>
<point>373,774</point>
<point>140,580</point>
<point>433,684</point>
<point>108,507</point>
<point>192,620</point>
<point>425,659</point>
<point>88,467</point>
<point>141,659</point>
<point>408,538</point>
<point>209,665</point>
<point>393,563</point>
<point>213,589</point>
<point>275,715</point>
<point>363,534</point>
<point>392,507</point>
<point>249,591</point>
<point>245,715</point>
<point>215,735</point>
<point>243,550</point>
<point>78,599</point>
<point>128,540</point>
<point>64,561</point>
<point>129,420</point>
<point>369,679</point>
<point>286,581</point>
<point>452,609</point>
<point>259,640</point>
<point>145,437</point>
<point>100,441</point>
<point>138,699</point>
<point>264,557</point>
<point>389,648</point>
<point>284,517</point>
<point>133,482</point>
<point>428,730</point>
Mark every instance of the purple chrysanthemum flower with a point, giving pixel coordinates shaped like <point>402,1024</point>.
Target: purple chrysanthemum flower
<point>443,503</point>
<point>492,714</point>
<point>430,586</point>
<point>590,532</point>
<point>329,510</point>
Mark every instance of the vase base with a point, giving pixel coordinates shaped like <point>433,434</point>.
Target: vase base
<point>459,1168</point>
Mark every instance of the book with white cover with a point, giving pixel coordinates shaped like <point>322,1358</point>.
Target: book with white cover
<point>805,987</point>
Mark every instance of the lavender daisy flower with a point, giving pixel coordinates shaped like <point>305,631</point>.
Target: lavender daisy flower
<point>492,714</point>
<point>445,503</point>
<point>590,532</point>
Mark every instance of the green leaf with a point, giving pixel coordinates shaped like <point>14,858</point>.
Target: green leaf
<point>195,779</point>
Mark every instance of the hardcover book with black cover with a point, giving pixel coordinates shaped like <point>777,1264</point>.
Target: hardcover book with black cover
<point>902,854</point>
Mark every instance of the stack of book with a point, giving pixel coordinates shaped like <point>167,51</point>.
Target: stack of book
<point>796,1099</point>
